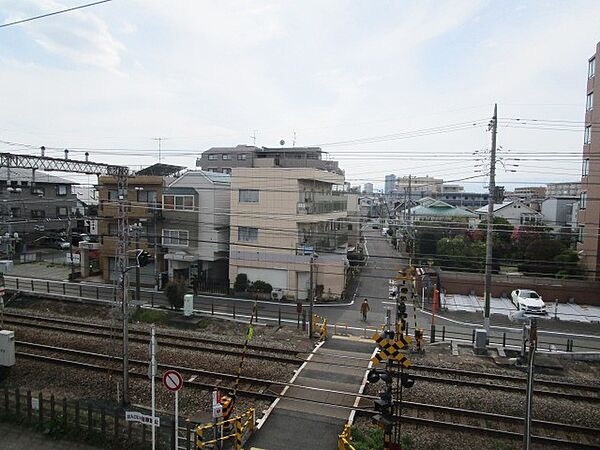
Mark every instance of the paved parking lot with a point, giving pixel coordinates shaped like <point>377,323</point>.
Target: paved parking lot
<point>562,311</point>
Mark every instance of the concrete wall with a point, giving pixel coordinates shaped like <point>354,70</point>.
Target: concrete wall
<point>584,292</point>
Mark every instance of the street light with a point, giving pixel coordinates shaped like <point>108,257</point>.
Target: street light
<point>313,256</point>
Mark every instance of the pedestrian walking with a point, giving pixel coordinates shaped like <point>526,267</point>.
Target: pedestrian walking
<point>364,309</point>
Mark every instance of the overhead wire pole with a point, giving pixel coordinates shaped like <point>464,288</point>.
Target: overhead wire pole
<point>87,167</point>
<point>490,223</point>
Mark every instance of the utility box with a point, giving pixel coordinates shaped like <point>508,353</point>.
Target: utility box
<point>480,344</point>
<point>7,348</point>
<point>188,305</point>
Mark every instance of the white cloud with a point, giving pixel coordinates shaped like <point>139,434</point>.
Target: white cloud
<point>78,36</point>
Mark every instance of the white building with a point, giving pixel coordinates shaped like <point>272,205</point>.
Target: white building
<point>516,212</point>
<point>196,226</point>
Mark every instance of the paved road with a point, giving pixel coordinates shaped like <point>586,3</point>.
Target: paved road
<point>313,419</point>
<point>383,264</point>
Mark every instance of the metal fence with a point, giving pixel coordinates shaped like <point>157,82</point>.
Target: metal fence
<point>86,421</point>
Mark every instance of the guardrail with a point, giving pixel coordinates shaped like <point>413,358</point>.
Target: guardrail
<point>237,429</point>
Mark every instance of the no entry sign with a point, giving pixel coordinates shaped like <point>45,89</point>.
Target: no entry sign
<point>172,380</point>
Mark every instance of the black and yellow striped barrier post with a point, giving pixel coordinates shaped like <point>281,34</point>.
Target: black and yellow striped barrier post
<point>199,437</point>
<point>238,433</point>
<point>345,438</point>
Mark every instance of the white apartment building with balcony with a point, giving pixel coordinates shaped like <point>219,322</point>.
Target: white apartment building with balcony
<point>282,216</point>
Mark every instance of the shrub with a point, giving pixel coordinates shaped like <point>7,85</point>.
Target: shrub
<point>241,282</point>
<point>175,291</point>
<point>262,286</point>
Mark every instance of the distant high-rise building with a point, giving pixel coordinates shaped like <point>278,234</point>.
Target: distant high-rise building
<point>589,198</point>
<point>390,182</point>
<point>420,186</point>
<point>368,188</point>
<point>563,189</point>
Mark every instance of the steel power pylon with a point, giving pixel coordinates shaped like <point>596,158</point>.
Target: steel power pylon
<point>92,168</point>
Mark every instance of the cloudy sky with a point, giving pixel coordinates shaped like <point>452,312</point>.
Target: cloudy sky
<point>386,87</point>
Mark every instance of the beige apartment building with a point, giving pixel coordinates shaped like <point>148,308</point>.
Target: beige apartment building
<point>281,218</point>
<point>589,200</point>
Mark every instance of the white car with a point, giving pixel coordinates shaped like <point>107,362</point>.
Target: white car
<point>528,301</point>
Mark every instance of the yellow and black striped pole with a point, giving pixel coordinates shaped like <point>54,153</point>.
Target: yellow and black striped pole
<point>249,335</point>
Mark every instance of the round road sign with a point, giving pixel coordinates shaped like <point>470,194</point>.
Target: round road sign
<point>172,380</point>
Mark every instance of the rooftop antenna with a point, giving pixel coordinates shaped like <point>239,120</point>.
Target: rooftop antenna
<point>294,141</point>
<point>159,139</point>
<point>253,137</point>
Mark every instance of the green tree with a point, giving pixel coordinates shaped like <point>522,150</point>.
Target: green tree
<point>458,253</point>
<point>539,256</point>
<point>241,282</point>
<point>174,291</point>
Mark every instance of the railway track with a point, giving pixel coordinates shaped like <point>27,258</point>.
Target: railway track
<point>165,338</point>
<point>563,435</point>
<point>99,362</point>
<point>456,377</point>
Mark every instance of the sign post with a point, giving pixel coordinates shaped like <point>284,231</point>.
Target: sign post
<point>152,374</point>
<point>173,381</point>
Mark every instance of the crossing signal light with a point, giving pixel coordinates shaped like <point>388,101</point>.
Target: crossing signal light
<point>227,406</point>
<point>143,258</point>
<point>375,375</point>
<point>384,407</point>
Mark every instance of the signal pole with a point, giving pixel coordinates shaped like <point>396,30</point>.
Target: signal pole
<point>490,219</point>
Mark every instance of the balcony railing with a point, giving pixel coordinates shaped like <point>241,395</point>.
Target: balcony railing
<point>322,207</point>
<point>322,243</point>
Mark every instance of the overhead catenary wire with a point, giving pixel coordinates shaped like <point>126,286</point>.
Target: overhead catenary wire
<point>54,13</point>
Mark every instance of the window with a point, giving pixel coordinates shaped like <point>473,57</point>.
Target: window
<point>248,195</point>
<point>591,68</point>
<point>146,196</point>
<point>113,195</point>
<point>213,157</point>
<point>226,156</point>
<point>112,229</point>
<point>247,234</point>
<point>241,157</point>
<point>582,200</point>
<point>227,171</point>
<point>183,202</point>
<point>179,238</point>
<point>39,191</point>
<point>587,135</point>
<point>589,102</point>
<point>62,211</point>
<point>585,168</point>
<point>38,213</point>
<point>15,212</point>
<point>62,189</point>
<point>580,234</point>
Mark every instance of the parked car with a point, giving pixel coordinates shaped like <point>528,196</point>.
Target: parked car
<point>529,301</point>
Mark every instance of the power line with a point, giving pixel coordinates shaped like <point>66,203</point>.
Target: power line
<point>54,13</point>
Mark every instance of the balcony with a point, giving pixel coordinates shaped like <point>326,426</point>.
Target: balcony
<point>322,243</point>
<point>321,207</point>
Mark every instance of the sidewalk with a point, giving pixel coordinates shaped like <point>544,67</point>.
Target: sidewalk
<point>16,437</point>
<point>338,365</point>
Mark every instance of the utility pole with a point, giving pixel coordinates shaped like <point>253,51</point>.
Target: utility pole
<point>490,225</point>
<point>311,293</point>
<point>529,396</point>
<point>156,281</point>
<point>122,263</point>
<point>138,288</point>
<point>70,237</point>
<point>152,374</point>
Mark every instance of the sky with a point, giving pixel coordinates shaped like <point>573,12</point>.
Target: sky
<point>403,87</point>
